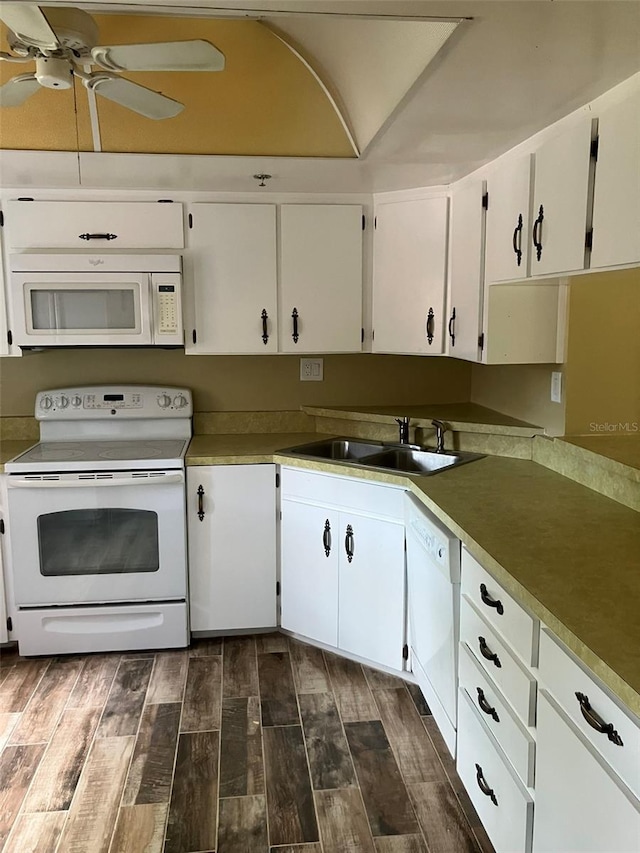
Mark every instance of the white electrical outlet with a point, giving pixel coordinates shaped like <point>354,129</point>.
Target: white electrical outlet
<point>311,370</point>
<point>556,386</point>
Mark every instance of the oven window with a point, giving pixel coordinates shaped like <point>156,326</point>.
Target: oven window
<point>98,542</point>
<point>68,310</point>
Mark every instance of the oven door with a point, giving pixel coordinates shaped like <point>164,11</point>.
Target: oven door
<point>103,537</point>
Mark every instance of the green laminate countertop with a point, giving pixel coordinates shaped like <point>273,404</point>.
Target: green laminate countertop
<point>12,447</point>
<point>569,554</point>
<point>624,449</point>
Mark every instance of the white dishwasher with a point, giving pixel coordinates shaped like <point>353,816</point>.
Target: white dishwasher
<point>433,587</point>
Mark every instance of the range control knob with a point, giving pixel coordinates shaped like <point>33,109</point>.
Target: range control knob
<point>180,401</point>
<point>76,401</point>
<point>46,402</point>
<point>164,401</point>
<point>62,401</point>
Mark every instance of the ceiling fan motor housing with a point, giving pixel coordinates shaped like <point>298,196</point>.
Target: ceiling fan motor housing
<point>54,73</point>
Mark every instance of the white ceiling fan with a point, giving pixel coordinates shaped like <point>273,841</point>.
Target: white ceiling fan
<point>63,41</point>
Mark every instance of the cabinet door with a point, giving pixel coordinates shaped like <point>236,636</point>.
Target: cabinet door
<point>4,636</point>
<point>94,225</point>
<point>232,549</point>
<point>310,543</point>
<point>320,278</point>
<point>232,279</point>
<point>561,191</point>
<point>616,203</point>
<point>409,266</point>
<point>581,807</point>
<point>508,221</point>
<point>371,618</point>
<point>466,279</point>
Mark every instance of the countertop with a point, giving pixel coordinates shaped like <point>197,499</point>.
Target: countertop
<point>11,447</point>
<point>571,555</point>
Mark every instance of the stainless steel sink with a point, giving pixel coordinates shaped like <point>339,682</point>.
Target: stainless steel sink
<point>337,448</point>
<point>412,461</point>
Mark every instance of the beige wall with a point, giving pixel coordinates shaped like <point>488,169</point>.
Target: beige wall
<point>239,383</point>
<point>603,355</point>
<point>520,390</point>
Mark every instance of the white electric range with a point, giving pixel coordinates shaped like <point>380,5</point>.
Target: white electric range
<point>97,521</point>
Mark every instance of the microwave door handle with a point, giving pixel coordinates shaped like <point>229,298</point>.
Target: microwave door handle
<point>13,483</point>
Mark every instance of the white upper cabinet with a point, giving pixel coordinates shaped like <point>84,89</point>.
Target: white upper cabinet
<point>616,206</point>
<point>508,220</point>
<point>94,225</point>
<point>560,201</point>
<point>320,278</point>
<point>466,277</point>
<point>232,279</point>
<point>409,269</point>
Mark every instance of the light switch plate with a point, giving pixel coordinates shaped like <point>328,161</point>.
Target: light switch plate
<point>311,370</point>
<point>556,386</point>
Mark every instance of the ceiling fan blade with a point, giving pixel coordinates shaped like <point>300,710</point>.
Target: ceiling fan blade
<point>137,98</point>
<point>197,55</point>
<point>28,22</point>
<point>16,91</point>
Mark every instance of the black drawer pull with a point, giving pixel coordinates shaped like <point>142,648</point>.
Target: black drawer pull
<point>349,543</point>
<point>485,706</point>
<point>98,236</point>
<point>430,326</point>
<point>482,784</point>
<point>537,233</point>
<point>326,538</point>
<point>294,333</point>
<point>486,652</point>
<point>517,240</point>
<point>596,722</point>
<point>265,332</point>
<point>200,494</point>
<point>490,602</point>
<point>452,327</point>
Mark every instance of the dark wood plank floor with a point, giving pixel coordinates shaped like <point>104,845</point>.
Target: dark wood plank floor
<point>237,745</point>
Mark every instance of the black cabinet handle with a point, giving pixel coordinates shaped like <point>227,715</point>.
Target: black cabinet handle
<point>596,722</point>
<point>452,327</point>
<point>200,494</point>
<point>326,538</point>
<point>486,652</point>
<point>485,706</point>
<point>349,543</point>
<point>431,323</point>
<point>490,602</point>
<point>98,236</point>
<point>537,232</point>
<point>482,784</point>
<point>517,239</point>
<point>265,333</point>
<point>294,317</point>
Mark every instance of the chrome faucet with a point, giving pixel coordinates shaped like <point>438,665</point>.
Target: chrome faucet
<point>440,431</point>
<point>403,430</point>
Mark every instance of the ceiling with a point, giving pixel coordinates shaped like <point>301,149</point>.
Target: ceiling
<point>510,68</point>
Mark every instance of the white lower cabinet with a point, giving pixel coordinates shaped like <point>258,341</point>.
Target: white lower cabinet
<point>581,805</point>
<point>342,564</point>
<point>4,634</point>
<point>231,513</point>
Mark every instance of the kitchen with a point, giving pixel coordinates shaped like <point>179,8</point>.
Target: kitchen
<point>223,385</point>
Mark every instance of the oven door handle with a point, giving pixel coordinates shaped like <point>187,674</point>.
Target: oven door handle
<point>98,483</point>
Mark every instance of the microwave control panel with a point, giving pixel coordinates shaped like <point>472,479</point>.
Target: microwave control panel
<point>167,308</point>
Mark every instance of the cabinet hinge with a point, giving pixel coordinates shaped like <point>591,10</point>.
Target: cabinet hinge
<point>588,239</point>
<point>9,337</point>
<point>191,220</point>
<point>362,335</point>
<point>485,201</point>
<point>9,623</point>
<point>481,341</point>
<point>165,201</point>
<point>373,334</point>
<point>277,587</point>
<point>194,337</point>
<point>405,652</point>
<point>26,198</point>
<point>364,225</point>
<point>594,147</point>
<point>1,525</point>
<point>405,544</point>
<point>375,222</point>
<point>1,219</point>
<point>277,479</point>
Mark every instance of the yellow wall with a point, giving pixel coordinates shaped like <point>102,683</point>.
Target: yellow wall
<point>603,358</point>
<point>239,383</point>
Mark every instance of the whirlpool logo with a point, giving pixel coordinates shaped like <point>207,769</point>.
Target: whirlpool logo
<point>96,262</point>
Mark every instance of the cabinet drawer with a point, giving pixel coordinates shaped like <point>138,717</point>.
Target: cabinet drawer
<point>507,729</point>
<point>344,492</point>
<point>503,804</point>
<point>500,610</point>
<point>564,677</point>
<point>511,677</point>
<point>60,224</point>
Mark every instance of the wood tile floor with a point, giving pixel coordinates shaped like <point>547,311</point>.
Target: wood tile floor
<point>243,745</point>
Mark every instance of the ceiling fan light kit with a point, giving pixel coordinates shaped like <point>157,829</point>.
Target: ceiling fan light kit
<point>62,40</point>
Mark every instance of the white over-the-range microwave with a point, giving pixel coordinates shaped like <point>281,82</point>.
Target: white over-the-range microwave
<point>96,300</point>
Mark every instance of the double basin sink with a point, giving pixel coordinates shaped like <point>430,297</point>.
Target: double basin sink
<point>405,458</point>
